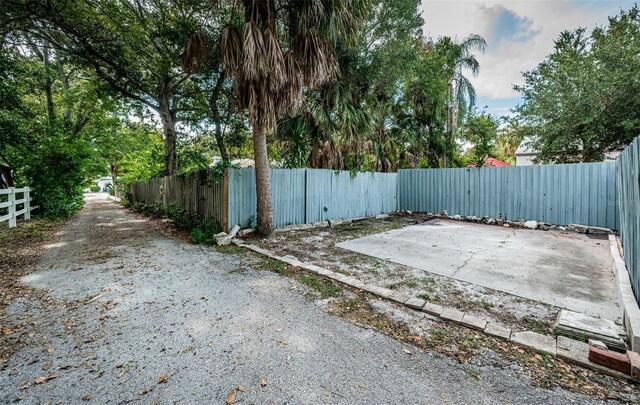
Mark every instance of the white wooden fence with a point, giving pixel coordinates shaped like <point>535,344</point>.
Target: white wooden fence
<point>12,204</point>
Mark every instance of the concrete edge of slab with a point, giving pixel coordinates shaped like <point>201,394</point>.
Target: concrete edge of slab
<point>527,339</point>
<point>626,299</point>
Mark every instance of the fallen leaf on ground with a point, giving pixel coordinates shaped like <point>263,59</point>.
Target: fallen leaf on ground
<point>404,349</point>
<point>263,382</point>
<point>86,398</point>
<point>162,379</point>
<point>144,391</point>
<point>231,397</point>
<point>43,379</point>
<point>242,389</point>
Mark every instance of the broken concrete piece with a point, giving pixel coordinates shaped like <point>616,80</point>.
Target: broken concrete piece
<point>634,359</point>
<point>223,240</point>
<point>572,350</point>
<point>578,228</point>
<point>474,322</point>
<point>291,260</point>
<point>600,231</point>
<point>353,282</point>
<point>575,324</point>
<point>245,232</point>
<point>530,224</point>
<point>498,330</point>
<point>234,231</point>
<point>433,309</point>
<point>452,314</point>
<point>612,360</point>
<point>415,303</point>
<point>535,341</point>
<point>399,297</point>
<point>598,343</point>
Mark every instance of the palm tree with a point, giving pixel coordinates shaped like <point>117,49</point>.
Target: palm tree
<point>460,91</point>
<point>276,49</point>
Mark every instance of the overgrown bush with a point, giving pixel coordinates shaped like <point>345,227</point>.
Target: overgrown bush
<point>205,232</point>
<point>94,188</point>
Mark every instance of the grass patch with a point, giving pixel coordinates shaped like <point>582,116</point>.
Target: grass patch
<point>324,287</point>
<point>486,304</point>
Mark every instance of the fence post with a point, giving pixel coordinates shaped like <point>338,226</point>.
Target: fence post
<point>27,203</point>
<point>12,207</point>
<point>225,201</point>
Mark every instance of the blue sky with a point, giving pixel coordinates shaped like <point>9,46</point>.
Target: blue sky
<point>519,35</point>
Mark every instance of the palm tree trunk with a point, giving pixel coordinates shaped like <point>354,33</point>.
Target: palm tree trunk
<point>263,183</point>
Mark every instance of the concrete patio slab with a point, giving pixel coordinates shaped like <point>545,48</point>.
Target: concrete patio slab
<point>563,269</point>
<point>576,324</point>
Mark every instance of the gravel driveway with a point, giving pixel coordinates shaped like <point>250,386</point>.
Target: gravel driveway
<point>183,323</point>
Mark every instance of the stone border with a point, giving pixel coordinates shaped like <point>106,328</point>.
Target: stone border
<point>564,348</point>
<point>626,299</point>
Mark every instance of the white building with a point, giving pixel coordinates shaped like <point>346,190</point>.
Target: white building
<point>525,154</point>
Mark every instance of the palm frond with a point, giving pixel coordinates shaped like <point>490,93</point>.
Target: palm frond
<point>196,51</point>
<point>230,49</point>
<point>253,63</point>
<point>274,59</point>
<point>473,42</point>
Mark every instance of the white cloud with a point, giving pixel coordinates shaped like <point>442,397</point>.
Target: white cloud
<point>519,34</point>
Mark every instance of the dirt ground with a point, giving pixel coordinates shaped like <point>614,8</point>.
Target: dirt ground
<point>317,245</point>
<point>123,313</point>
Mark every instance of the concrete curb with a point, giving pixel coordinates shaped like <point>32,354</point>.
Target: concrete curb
<point>626,299</point>
<point>528,339</point>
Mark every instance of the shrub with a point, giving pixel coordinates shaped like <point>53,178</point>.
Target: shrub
<point>205,232</point>
<point>94,188</point>
<point>201,231</point>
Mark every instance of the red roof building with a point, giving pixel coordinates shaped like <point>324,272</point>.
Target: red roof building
<point>491,162</point>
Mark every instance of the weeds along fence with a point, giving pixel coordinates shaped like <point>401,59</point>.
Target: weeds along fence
<point>205,197</point>
<point>300,196</point>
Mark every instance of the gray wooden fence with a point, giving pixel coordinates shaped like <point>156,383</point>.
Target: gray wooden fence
<point>628,174</point>
<point>558,194</point>
<point>304,196</point>
<point>206,198</point>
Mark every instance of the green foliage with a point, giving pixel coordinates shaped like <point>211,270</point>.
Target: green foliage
<point>205,232</point>
<point>582,100</point>
<point>94,188</point>
<point>201,231</point>
<point>481,131</point>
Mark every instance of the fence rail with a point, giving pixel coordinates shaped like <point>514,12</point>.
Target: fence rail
<point>12,203</point>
